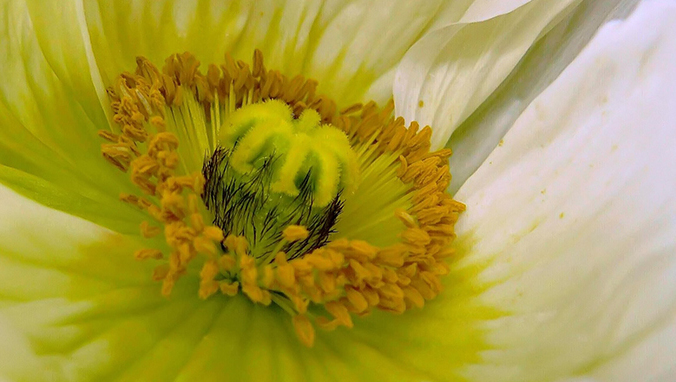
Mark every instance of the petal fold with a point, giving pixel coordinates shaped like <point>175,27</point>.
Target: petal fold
<point>449,72</point>
<point>476,138</point>
<point>573,217</point>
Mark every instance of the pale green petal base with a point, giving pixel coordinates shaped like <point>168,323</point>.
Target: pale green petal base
<point>76,307</point>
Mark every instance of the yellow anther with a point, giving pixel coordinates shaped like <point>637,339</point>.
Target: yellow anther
<point>160,272</point>
<point>249,280</point>
<point>304,329</point>
<point>361,250</point>
<point>285,275</point>
<point>295,233</point>
<point>168,283</point>
<point>207,288</point>
<point>237,244</point>
<point>406,218</point>
<point>415,236</point>
<point>389,275</point>
<point>267,277</point>
<point>229,289</point>
<point>319,262</point>
<point>213,233</point>
<point>371,296</point>
<point>149,231</point>
<point>357,299</point>
<point>414,297</point>
<point>227,263</point>
<point>159,123</point>
<point>107,135</point>
<point>391,291</point>
<point>301,266</point>
<point>205,246</point>
<point>197,222</point>
<point>340,312</point>
<point>327,282</point>
<point>117,154</point>
<point>393,256</point>
<point>209,270</point>
<point>326,324</point>
<point>148,253</point>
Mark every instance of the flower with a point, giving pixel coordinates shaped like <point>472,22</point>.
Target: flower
<point>563,265</point>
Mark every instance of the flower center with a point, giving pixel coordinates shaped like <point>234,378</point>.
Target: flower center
<point>261,187</point>
<point>272,171</point>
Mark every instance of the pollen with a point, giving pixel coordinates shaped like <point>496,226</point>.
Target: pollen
<point>255,185</point>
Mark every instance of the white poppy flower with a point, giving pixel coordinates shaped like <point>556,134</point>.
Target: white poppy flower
<point>274,198</point>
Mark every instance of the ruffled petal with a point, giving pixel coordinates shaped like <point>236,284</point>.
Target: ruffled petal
<point>49,122</point>
<point>573,217</point>
<point>449,72</point>
<point>476,138</point>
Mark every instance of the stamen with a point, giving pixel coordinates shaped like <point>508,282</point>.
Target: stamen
<point>270,190</point>
<point>295,233</point>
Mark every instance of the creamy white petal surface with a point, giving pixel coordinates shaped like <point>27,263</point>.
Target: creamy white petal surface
<point>446,75</point>
<point>476,138</point>
<point>574,217</point>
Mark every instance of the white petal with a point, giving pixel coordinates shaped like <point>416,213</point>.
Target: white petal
<point>573,218</point>
<point>482,10</point>
<point>472,11</point>
<point>446,75</point>
<point>476,138</point>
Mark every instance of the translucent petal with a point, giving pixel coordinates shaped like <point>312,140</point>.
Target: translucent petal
<point>476,138</point>
<point>449,72</point>
<point>573,217</point>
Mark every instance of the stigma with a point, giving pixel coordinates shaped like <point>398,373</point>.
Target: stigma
<point>258,186</point>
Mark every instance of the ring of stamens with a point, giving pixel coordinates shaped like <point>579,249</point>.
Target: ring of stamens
<point>328,283</point>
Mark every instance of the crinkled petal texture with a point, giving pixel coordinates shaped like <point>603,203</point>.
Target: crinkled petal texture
<point>573,218</point>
